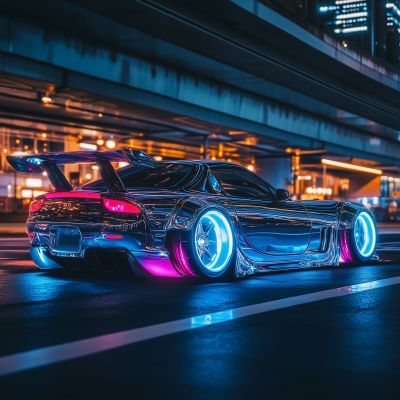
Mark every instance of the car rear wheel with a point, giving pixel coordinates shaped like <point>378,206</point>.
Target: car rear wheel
<point>358,244</point>
<point>208,250</point>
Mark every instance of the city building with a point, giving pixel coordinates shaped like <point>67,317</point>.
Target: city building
<point>353,20</point>
<point>388,42</point>
<point>370,25</point>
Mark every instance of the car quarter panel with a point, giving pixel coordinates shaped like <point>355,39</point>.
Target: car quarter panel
<point>324,215</point>
<point>349,212</point>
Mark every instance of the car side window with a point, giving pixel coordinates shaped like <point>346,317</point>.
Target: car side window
<point>239,183</point>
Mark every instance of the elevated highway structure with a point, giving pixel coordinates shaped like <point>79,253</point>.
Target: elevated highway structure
<point>196,73</point>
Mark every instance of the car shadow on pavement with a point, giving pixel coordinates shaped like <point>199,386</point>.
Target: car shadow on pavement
<point>118,277</point>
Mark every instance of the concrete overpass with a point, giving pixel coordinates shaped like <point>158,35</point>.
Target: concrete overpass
<point>231,70</point>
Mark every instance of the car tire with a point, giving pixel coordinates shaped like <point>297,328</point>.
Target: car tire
<point>208,250</point>
<point>358,244</point>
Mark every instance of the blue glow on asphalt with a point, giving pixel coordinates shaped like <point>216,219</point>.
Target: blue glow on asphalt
<point>209,319</point>
<point>49,355</point>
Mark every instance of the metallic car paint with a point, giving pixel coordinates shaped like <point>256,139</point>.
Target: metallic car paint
<point>40,256</point>
<point>274,227</point>
<point>34,163</point>
<point>145,234</point>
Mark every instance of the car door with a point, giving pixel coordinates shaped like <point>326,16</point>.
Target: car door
<point>272,227</point>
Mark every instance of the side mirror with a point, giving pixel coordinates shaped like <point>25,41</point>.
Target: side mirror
<point>281,194</point>
<point>214,183</point>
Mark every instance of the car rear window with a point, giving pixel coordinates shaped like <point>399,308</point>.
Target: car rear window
<point>167,176</point>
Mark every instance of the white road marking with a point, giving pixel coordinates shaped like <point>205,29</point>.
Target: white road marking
<point>49,355</point>
<point>11,239</point>
<point>23,251</point>
<point>383,231</point>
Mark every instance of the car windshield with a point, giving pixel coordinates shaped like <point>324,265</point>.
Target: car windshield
<point>167,176</point>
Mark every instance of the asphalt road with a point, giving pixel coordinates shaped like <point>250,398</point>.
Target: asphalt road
<point>340,347</point>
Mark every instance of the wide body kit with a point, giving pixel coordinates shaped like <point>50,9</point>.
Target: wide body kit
<point>112,225</point>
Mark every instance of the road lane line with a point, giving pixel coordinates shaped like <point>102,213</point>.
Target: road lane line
<point>11,239</point>
<point>20,250</point>
<point>49,355</point>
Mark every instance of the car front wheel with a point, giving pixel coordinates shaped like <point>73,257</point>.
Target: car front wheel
<point>358,244</point>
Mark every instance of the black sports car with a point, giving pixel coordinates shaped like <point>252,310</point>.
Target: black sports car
<point>207,219</point>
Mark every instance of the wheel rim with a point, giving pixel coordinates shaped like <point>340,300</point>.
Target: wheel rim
<point>213,241</point>
<point>364,234</point>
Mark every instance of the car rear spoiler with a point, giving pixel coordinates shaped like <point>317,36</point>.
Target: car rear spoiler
<point>37,163</point>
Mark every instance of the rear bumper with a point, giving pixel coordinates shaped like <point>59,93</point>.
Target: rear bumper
<point>143,263</point>
<point>131,251</point>
<point>41,258</point>
<point>133,238</point>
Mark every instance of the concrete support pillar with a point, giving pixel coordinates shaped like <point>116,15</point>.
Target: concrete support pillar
<point>277,171</point>
<point>205,147</point>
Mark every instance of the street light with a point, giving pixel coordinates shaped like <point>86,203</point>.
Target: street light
<point>110,144</point>
<point>88,146</point>
<point>351,166</point>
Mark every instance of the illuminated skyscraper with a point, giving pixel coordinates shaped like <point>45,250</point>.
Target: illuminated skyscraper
<point>391,29</point>
<point>347,16</point>
<point>353,19</point>
<point>372,25</point>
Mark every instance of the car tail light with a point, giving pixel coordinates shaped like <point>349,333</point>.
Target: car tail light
<point>121,206</point>
<point>36,205</point>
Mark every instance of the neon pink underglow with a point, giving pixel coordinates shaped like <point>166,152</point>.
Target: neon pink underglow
<point>345,251</point>
<point>32,234</point>
<point>121,206</point>
<point>161,270</point>
<point>157,267</point>
<point>81,195</point>
<point>113,236</point>
<point>183,260</point>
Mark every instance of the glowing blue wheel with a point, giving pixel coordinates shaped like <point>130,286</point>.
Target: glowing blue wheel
<point>213,242</point>
<point>208,250</point>
<point>358,244</point>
